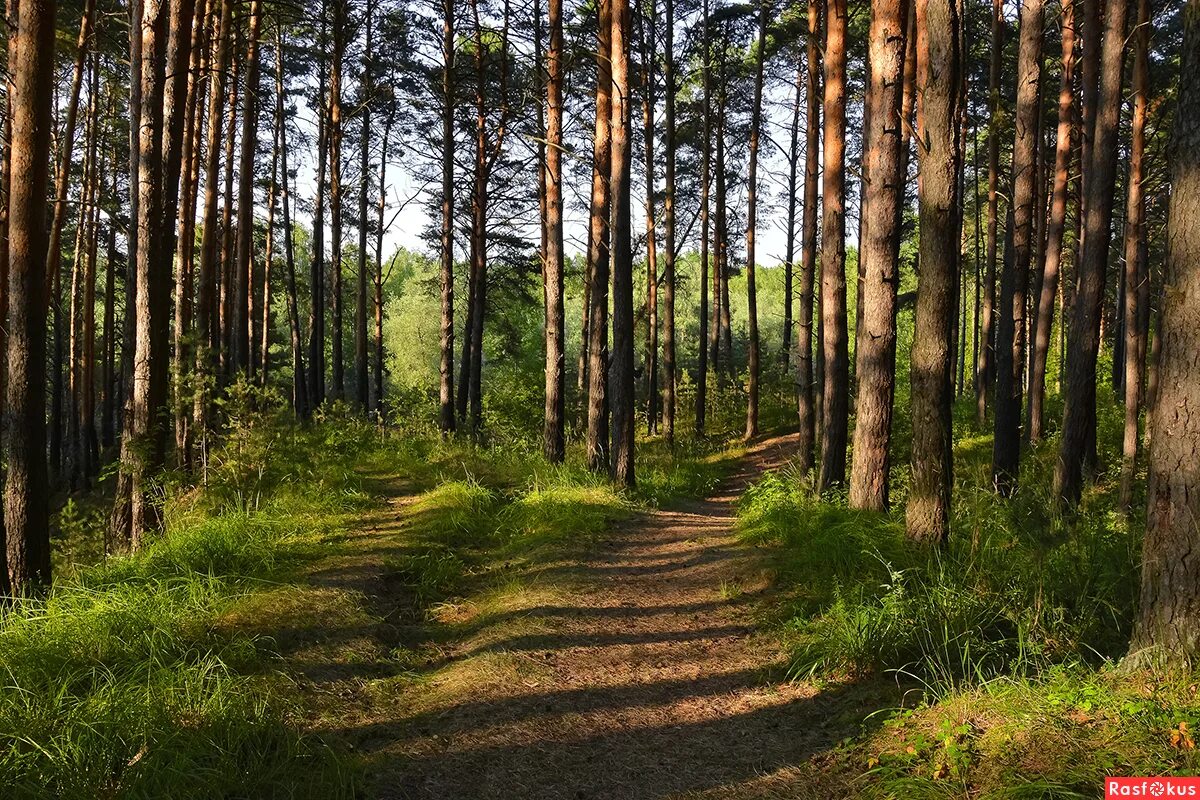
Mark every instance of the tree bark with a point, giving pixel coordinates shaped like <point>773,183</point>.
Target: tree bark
<point>26,488</point>
<point>985,373</point>
<point>623,420</point>
<point>806,403</point>
<point>337,374</point>
<point>1079,416</point>
<point>300,390</point>
<point>1169,616</point>
<point>751,222</point>
<point>938,82</point>
<point>446,418</point>
<point>554,432</point>
<point>648,36</point>
<point>362,391</point>
<point>1136,269</point>
<point>705,179</point>
<point>879,257</point>
<point>244,265</point>
<point>668,278</point>
<point>316,328</point>
<point>207,340</point>
<point>1014,282</point>
<point>834,345</point>
<point>1054,231</point>
<point>598,249</point>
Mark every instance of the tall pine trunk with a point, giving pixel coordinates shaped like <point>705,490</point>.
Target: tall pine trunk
<point>836,387</point>
<point>751,222</point>
<point>1014,282</point>
<point>623,389</point>
<point>1079,391</point>
<point>938,83</point>
<point>1169,615</point>
<point>986,369</point>
<point>26,489</point>
<point>806,403</point>
<point>599,251</point>
<point>879,257</point>
<point>554,431</point>
<point>1054,231</point>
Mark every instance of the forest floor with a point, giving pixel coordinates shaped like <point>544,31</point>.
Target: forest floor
<point>629,668</point>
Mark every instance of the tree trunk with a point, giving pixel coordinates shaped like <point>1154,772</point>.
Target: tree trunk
<point>879,257</point>
<point>1010,338</point>
<point>792,200</point>
<point>300,389</point>
<point>938,82</point>
<point>1079,417</point>
<point>1169,616</point>
<point>244,265</point>
<point>985,372</point>
<point>337,376</point>
<point>622,253</point>
<point>806,403</point>
<point>1136,269</point>
<point>316,328</point>
<point>598,249</point>
<point>26,489</point>
<point>554,433</point>
<point>705,179</point>
<point>185,241</point>
<point>668,277</point>
<point>224,340</point>
<point>378,404</point>
<point>834,345</point>
<point>751,222</point>
<point>446,418</point>
<point>143,449</point>
<point>1054,231</point>
<point>362,392</point>
<point>648,36</point>
<point>207,340</point>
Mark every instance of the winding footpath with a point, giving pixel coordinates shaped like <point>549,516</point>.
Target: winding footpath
<point>644,679</point>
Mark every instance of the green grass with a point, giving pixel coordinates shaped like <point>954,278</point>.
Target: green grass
<point>1012,635</point>
<point>159,674</point>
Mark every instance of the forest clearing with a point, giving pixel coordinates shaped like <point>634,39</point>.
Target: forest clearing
<point>677,399</point>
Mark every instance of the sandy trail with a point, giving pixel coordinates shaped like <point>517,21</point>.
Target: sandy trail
<point>648,681</point>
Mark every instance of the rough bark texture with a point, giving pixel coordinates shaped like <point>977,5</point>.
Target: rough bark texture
<point>938,82</point>
<point>879,257</point>
<point>1079,416</point>
<point>751,223</point>
<point>1169,620</point>
<point>337,375</point>
<point>622,254</point>
<point>805,377</point>
<point>26,490</point>
<point>705,176</point>
<point>554,430</point>
<point>985,372</point>
<point>362,370</point>
<point>1136,269</point>
<point>668,278</point>
<point>300,393</point>
<point>836,388</point>
<point>598,250</point>
<point>648,36</point>
<point>1054,231</point>
<point>1014,282</point>
<point>244,265</point>
<point>446,417</point>
<point>206,276</point>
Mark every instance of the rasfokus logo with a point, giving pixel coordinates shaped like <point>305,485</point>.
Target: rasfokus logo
<point>1151,787</point>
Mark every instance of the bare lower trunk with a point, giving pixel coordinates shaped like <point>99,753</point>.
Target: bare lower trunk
<point>1054,231</point>
<point>598,255</point>
<point>938,82</point>
<point>836,388</point>
<point>806,402</point>
<point>879,255</point>
<point>1136,269</point>
<point>622,253</point>
<point>986,372</point>
<point>554,433</point>
<point>1169,616</point>
<point>1079,417</point>
<point>1010,339</point>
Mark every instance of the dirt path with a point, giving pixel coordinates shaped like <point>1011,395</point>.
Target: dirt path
<point>644,679</point>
